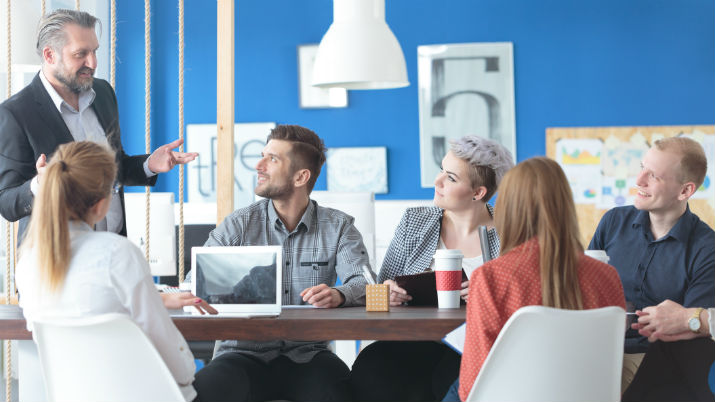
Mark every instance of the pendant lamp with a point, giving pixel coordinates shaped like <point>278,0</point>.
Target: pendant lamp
<point>359,51</point>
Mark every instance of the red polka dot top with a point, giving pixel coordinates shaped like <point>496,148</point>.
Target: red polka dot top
<point>501,286</point>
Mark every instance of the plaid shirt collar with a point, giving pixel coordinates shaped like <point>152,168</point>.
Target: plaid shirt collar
<point>306,220</point>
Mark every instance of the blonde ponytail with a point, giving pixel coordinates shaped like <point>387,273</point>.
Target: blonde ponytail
<point>79,175</point>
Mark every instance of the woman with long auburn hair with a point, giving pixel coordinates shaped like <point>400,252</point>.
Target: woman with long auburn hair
<point>537,202</point>
<point>541,261</point>
<point>67,269</point>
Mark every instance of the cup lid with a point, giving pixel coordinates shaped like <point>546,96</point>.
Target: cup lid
<point>444,253</point>
<point>597,254</point>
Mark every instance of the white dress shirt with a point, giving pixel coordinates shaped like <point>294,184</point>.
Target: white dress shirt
<point>107,274</point>
<point>711,321</point>
<point>83,125</point>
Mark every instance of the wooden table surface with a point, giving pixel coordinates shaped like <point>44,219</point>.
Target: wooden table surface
<point>400,323</point>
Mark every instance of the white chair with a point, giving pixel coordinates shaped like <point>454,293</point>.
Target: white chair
<point>359,205</point>
<point>547,354</point>
<point>162,261</point>
<point>388,214</point>
<point>101,358</point>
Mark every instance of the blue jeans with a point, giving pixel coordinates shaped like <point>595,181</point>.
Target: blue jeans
<point>452,393</point>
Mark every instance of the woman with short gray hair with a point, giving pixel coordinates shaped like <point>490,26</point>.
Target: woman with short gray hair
<point>469,177</point>
<point>488,161</point>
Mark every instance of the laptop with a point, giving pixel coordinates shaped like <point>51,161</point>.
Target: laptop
<point>243,281</point>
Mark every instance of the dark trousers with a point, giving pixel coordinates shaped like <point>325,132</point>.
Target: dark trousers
<point>674,371</point>
<point>404,371</point>
<point>236,377</point>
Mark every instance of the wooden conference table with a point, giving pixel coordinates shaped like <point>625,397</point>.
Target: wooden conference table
<point>300,324</point>
<point>305,324</point>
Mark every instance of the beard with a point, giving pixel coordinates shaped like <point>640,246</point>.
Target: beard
<point>72,81</point>
<point>274,192</point>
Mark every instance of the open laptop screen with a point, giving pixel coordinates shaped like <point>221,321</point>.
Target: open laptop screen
<point>244,275</point>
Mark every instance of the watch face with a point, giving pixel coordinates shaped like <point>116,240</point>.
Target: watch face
<point>694,324</point>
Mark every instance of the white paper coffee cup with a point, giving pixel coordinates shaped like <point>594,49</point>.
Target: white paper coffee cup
<point>600,255</point>
<point>448,273</point>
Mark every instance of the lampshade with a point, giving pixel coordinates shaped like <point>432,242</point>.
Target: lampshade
<point>359,51</point>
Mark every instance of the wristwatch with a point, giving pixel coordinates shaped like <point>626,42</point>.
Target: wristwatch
<point>694,321</point>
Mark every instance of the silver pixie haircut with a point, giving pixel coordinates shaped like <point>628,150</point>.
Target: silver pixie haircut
<point>51,29</point>
<point>479,151</point>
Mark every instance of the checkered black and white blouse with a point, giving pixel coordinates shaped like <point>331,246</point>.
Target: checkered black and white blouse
<point>415,242</point>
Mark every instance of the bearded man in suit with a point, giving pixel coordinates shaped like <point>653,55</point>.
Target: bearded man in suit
<point>63,103</point>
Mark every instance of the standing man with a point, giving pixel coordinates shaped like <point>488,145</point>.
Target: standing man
<point>65,103</point>
<point>660,249</point>
<point>319,244</point>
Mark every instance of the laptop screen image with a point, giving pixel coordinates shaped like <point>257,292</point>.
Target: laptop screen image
<point>242,279</point>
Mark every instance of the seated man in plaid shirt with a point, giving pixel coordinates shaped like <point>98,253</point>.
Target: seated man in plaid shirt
<point>319,244</point>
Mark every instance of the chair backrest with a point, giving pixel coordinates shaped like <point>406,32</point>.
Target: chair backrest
<point>388,214</point>
<point>101,358</point>
<point>359,205</point>
<point>162,258</point>
<point>547,354</point>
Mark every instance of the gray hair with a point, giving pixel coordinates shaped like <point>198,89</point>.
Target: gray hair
<point>51,29</point>
<point>488,161</point>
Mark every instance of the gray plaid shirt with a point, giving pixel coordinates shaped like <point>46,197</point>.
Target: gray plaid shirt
<point>415,242</point>
<point>323,246</point>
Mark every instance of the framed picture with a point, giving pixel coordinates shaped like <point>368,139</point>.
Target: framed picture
<point>464,89</point>
<point>357,169</point>
<point>310,96</point>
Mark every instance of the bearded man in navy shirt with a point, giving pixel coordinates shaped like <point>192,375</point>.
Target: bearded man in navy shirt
<point>660,249</point>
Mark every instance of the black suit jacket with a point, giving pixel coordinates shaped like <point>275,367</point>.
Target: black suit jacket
<point>31,125</point>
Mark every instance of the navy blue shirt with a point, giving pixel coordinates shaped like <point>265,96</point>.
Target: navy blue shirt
<point>680,266</point>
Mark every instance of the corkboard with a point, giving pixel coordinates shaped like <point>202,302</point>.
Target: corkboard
<point>588,214</point>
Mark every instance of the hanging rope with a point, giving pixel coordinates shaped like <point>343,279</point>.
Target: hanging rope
<point>8,225</point>
<point>147,111</point>
<point>76,4</point>
<point>9,255</point>
<point>113,42</point>
<point>42,7</point>
<point>181,136</point>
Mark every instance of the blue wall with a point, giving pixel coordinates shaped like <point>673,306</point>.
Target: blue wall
<point>577,63</point>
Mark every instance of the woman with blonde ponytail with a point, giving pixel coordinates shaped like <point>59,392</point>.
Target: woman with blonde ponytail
<point>541,261</point>
<point>70,196</point>
<point>66,269</point>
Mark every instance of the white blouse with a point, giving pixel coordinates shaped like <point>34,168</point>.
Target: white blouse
<point>108,274</point>
<point>469,264</point>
